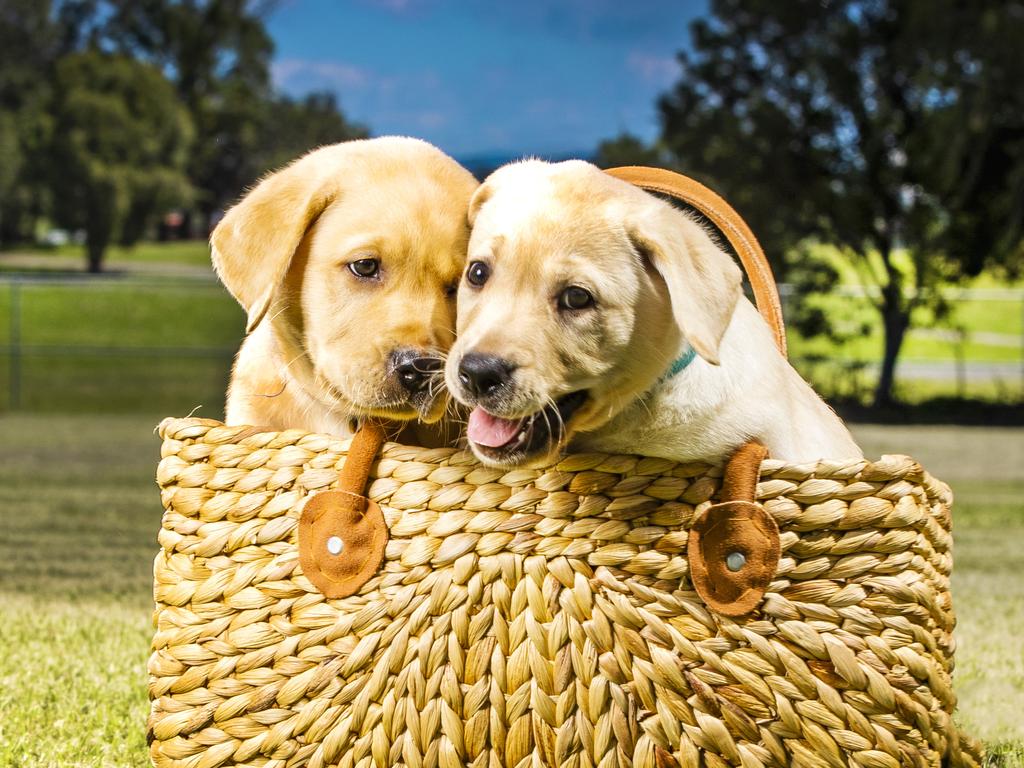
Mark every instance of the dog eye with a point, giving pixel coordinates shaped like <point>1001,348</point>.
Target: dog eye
<point>478,273</point>
<point>365,267</point>
<point>451,290</point>
<point>575,297</point>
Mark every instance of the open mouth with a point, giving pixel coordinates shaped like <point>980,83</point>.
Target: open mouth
<point>514,441</point>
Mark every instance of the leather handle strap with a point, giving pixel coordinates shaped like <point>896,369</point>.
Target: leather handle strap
<point>739,483</point>
<point>729,223</point>
<point>362,451</point>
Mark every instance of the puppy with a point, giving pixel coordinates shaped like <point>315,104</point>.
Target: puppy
<point>595,315</point>
<point>346,263</point>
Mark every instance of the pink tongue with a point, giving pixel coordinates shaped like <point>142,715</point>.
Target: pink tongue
<point>490,431</point>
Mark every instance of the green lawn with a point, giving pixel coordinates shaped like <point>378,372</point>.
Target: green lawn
<point>1001,316</point>
<point>993,326</point>
<point>982,465</point>
<point>79,512</point>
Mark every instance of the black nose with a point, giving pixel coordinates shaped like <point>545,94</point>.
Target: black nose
<point>414,369</point>
<point>483,374</point>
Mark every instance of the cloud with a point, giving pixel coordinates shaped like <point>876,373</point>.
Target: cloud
<point>305,74</point>
<point>398,102</point>
<point>430,119</point>
<point>398,7</point>
<point>661,71</point>
<point>607,20</point>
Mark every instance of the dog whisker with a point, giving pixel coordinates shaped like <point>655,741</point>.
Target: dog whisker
<point>558,415</point>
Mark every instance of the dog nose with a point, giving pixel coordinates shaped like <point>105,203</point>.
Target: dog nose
<point>482,374</point>
<point>414,369</point>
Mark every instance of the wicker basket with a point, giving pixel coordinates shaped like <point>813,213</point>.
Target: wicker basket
<point>581,615</point>
<point>544,618</point>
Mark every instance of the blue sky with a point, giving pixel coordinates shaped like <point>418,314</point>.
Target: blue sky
<point>478,77</point>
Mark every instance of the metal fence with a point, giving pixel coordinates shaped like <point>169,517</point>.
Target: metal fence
<point>164,345</point>
<point>985,363</point>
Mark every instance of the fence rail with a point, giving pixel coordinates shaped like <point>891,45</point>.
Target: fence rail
<point>55,363</point>
<point>69,345</point>
<point>15,346</point>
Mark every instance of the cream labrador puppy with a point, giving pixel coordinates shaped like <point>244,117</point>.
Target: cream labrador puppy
<point>346,263</point>
<point>596,315</point>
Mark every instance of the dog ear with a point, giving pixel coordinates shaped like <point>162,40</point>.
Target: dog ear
<point>476,202</point>
<point>704,283</point>
<point>253,244</point>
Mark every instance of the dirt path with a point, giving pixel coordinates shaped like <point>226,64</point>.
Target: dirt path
<point>31,262</point>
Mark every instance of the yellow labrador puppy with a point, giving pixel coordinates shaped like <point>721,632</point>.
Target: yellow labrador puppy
<point>596,315</point>
<point>346,262</point>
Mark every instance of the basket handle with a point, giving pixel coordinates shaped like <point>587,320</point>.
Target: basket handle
<point>362,451</point>
<point>733,546</point>
<point>342,533</point>
<point>729,223</point>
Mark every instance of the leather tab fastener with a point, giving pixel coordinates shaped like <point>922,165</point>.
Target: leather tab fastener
<point>734,545</point>
<point>342,533</point>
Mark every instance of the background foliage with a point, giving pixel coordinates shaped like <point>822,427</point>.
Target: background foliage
<point>892,130</point>
<point>113,112</point>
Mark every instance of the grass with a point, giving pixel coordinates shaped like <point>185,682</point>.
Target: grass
<point>982,465</point>
<point>84,706</point>
<point>79,510</point>
<point>114,384</point>
<point>988,316</point>
<point>993,329</point>
<point>79,513</point>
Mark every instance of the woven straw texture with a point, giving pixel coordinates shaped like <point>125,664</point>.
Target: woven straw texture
<point>544,617</point>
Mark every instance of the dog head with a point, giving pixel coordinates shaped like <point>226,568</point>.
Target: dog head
<point>579,293</point>
<point>352,253</point>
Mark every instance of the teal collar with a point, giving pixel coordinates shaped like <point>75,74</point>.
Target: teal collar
<point>680,364</point>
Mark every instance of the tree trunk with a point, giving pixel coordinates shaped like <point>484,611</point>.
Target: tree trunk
<point>895,321</point>
<point>94,258</point>
<point>96,240</point>
<point>99,227</point>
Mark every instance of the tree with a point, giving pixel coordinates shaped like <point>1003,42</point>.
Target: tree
<point>27,47</point>
<point>627,149</point>
<point>294,126</point>
<point>893,129</point>
<point>119,146</point>
<point>214,57</point>
<point>217,53</point>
